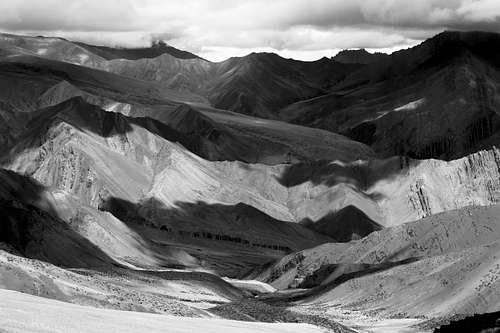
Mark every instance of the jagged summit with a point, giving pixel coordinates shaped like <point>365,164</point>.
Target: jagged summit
<point>359,56</point>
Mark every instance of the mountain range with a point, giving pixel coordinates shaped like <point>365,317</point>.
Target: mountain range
<point>357,193</point>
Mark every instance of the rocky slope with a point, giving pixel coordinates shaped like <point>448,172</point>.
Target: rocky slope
<point>463,282</point>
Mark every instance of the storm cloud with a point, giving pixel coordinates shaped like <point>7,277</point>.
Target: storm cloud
<point>217,29</point>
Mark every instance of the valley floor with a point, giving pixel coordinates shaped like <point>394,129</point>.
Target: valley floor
<point>367,323</point>
<point>26,313</point>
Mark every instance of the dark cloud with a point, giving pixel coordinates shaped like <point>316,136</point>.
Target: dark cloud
<point>54,15</point>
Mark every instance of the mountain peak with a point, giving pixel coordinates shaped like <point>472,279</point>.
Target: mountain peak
<point>358,56</point>
<point>156,49</point>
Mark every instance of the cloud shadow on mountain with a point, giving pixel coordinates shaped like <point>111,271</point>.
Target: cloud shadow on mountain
<point>360,176</point>
<point>30,226</point>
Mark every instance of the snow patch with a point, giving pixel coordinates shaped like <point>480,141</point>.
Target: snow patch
<point>251,284</point>
<point>411,106</point>
<point>83,57</point>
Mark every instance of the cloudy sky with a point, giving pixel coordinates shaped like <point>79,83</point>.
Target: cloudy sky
<point>218,29</point>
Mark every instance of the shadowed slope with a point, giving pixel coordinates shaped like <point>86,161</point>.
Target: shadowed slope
<point>435,100</point>
<point>347,224</point>
<point>38,233</point>
<point>479,323</point>
<point>262,83</point>
<point>239,223</point>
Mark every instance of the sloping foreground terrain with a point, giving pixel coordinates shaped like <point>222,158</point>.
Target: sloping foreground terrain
<point>49,315</point>
<point>172,292</point>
